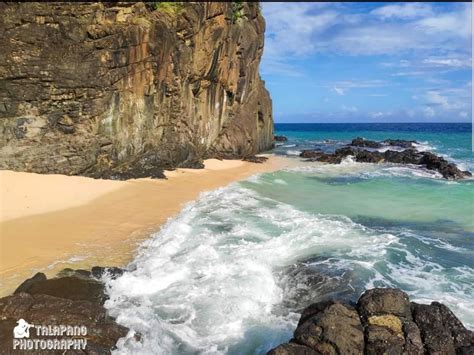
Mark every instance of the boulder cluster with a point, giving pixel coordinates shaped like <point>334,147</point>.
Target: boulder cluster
<point>409,155</point>
<point>75,298</point>
<point>383,321</point>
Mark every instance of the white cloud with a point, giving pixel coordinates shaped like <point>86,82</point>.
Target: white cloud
<point>301,29</point>
<point>404,11</point>
<point>451,24</point>
<point>449,62</point>
<point>377,114</point>
<point>349,108</point>
<point>338,91</point>
<point>429,111</point>
<point>435,98</point>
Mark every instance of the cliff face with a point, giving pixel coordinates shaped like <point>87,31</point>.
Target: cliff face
<point>94,87</point>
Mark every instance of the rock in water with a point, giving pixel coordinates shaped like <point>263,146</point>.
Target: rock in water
<point>361,142</point>
<point>383,322</point>
<point>408,156</point>
<point>280,139</point>
<point>400,143</point>
<point>122,90</point>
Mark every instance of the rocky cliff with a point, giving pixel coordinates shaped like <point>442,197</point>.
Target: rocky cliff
<point>105,88</point>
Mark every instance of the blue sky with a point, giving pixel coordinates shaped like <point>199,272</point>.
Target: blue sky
<point>368,62</point>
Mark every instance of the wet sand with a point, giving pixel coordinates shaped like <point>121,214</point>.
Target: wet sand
<point>49,222</point>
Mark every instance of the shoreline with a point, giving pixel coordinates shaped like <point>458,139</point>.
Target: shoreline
<point>50,222</point>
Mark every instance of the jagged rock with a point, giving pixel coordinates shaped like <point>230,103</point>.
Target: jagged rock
<point>441,331</point>
<point>280,139</point>
<point>391,324</point>
<point>292,349</point>
<point>408,156</point>
<point>413,342</point>
<point>448,170</point>
<point>113,272</point>
<point>365,156</point>
<point>69,287</point>
<point>37,278</point>
<point>80,273</point>
<point>255,159</point>
<point>381,301</point>
<point>311,153</point>
<point>336,328</point>
<point>400,143</point>
<point>361,142</point>
<point>69,300</point>
<point>382,340</point>
<point>120,90</point>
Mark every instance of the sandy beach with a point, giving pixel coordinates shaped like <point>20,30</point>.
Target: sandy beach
<point>49,222</point>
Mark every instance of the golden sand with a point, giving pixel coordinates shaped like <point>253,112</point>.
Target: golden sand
<point>49,222</point>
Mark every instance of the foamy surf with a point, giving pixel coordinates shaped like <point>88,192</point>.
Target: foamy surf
<point>231,271</point>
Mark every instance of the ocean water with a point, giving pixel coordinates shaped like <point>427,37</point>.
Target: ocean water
<point>231,272</point>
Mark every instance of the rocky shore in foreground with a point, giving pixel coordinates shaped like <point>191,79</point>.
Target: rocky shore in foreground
<point>383,321</point>
<point>359,149</point>
<point>74,298</point>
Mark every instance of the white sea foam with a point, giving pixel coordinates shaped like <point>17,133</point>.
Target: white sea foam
<point>293,152</point>
<point>208,276</point>
<point>424,147</point>
<point>213,279</point>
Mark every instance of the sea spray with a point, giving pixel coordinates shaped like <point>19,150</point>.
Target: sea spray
<point>232,271</point>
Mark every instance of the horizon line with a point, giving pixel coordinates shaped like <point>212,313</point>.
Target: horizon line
<point>469,122</point>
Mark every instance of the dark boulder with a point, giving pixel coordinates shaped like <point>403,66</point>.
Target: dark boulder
<point>334,328</point>
<point>427,160</point>
<point>380,301</point>
<point>408,156</point>
<point>113,272</point>
<point>255,159</point>
<point>441,331</point>
<point>384,322</point>
<point>364,156</point>
<point>73,300</point>
<point>68,287</point>
<point>311,153</point>
<point>345,151</point>
<point>361,142</point>
<point>37,278</point>
<point>280,139</point>
<point>400,143</point>
<point>449,170</point>
<point>292,349</point>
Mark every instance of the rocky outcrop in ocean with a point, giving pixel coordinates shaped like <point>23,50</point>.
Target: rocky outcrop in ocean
<point>410,155</point>
<point>383,321</point>
<point>126,89</point>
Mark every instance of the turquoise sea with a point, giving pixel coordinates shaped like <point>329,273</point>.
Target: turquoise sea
<point>230,273</point>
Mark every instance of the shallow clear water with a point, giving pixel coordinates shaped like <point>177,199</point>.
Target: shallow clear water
<point>230,273</point>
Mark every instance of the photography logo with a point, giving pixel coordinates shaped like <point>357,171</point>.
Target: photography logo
<point>22,330</point>
<point>48,337</point>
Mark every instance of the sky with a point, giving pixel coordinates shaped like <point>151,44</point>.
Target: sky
<point>368,62</point>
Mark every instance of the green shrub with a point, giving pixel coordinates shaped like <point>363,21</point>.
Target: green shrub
<point>237,10</point>
<point>171,8</point>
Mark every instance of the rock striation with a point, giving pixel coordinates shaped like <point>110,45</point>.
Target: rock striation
<point>410,155</point>
<point>383,321</point>
<point>74,298</point>
<point>126,89</point>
